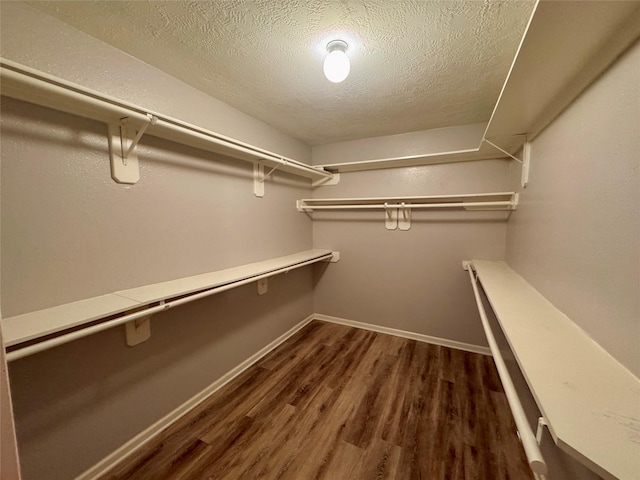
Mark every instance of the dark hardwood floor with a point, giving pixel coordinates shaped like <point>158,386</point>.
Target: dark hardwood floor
<point>339,403</point>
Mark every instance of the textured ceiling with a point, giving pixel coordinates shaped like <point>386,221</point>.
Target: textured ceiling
<point>415,65</point>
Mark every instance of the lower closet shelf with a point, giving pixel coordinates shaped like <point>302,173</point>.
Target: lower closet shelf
<point>156,297</point>
<point>590,402</point>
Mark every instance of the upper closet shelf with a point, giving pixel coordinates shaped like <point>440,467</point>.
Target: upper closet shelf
<point>483,152</point>
<point>589,401</point>
<point>564,49</point>
<point>127,123</point>
<point>78,319</point>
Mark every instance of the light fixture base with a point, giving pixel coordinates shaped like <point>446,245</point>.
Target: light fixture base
<point>337,45</point>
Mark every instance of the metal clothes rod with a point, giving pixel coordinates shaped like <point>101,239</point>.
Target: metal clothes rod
<point>30,83</point>
<point>527,437</point>
<point>383,206</point>
<point>85,332</point>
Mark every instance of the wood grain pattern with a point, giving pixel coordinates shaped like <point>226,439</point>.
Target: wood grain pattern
<point>339,403</point>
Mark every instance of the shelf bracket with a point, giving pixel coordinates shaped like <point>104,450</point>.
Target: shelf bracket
<point>123,140</point>
<point>404,217</point>
<point>526,157</point>
<point>334,179</point>
<point>542,422</point>
<point>258,182</point>
<point>514,201</point>
<point>263,286</point>
<point>390,217</point>
<point>259,177</point>
<point>502,150</point>
<point>335,257</point>
<point>138,330</point>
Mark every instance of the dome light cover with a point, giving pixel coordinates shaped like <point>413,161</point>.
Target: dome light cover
<point>336,64</point>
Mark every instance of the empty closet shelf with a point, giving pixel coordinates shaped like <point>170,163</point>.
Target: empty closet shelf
<point>481,201</point>
<point>30,85</point>
<point>146,299</point>
<point>590,402</point>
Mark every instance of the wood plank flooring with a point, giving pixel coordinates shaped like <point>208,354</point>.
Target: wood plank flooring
<point>338,403</point>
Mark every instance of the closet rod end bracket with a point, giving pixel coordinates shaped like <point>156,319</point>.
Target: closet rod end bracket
<point>138,331</point>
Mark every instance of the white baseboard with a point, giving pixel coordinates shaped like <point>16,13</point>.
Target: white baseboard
<point>467,347</point>
<point>149,433</point>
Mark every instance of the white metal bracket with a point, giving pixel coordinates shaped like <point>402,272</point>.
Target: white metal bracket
<point>526,159</point>
<point>390,217</point>
<point>513,157</point>
<point>404,218</point>
<point>514,201</point>
<point>263,286</point>
<point>334,179</point>
<point>542,422</point>
<point>138,330</point>
<point>335,257</point>
<point>259,177</point>
<point>123,140</point>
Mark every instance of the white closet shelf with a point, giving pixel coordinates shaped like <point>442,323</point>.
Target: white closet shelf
<point>479,201</point>
<point>34,325</point>
<point>591,403</point>
<point>483,152</point>
<point>564,49</point>
<point>30,85</point>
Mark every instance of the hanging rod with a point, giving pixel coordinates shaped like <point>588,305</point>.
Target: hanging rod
<point>527,437</point>
<point>28,84</point>
<point>507,205</point>
<point>484,201</point>
<point>162,305</point>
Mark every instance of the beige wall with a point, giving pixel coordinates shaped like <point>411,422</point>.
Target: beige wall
<point>69,232</point>
<point>576,235</point>
<point>410,280</point>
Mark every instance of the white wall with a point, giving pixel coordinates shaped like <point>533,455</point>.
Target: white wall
<point>69,232</point>
<point>576,235</point>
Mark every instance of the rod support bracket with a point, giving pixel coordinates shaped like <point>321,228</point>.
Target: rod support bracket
<point>263,286</point>
<point>390,217</point>
<point>258,179</point>
<point>124,137</point>
<point>404,217</point>
<point>138,331</point>
<point>542,422</point>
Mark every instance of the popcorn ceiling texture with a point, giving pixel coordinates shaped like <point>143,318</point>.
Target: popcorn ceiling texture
<point>415,65</point>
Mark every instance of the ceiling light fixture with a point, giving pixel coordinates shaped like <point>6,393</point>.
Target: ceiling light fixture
<point>336,65</point>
